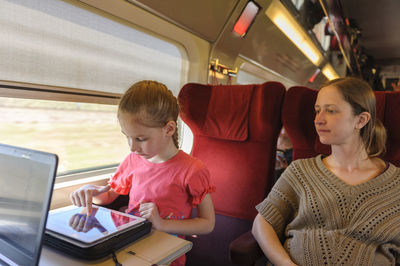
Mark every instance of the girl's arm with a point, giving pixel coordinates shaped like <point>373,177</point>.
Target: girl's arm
<point>202,224</point>
<point>269,242</point>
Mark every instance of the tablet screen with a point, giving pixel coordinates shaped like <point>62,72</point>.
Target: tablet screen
<point>73,222</point>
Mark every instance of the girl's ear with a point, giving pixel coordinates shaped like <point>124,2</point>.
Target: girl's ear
<point>169,128</point>
<point>363,119</point>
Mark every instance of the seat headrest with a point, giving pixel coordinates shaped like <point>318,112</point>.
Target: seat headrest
<point>225,110</point>
<point>228,112</point>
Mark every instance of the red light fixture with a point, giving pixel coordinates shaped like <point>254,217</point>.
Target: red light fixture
<point>312,78</point>
<point>246,18</point>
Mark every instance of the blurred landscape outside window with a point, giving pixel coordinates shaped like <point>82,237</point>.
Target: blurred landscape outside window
<point>84,135</point>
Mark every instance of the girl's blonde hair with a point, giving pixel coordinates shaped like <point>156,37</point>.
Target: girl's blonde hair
<point>361,97</point>
<point>152,104</point>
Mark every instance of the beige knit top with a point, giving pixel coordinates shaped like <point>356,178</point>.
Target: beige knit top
<point>323,221</point>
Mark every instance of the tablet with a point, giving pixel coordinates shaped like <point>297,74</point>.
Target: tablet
<point>103,223</point>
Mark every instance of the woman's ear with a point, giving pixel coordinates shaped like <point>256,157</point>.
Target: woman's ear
<point>363,119</point>
<point>169,128</point>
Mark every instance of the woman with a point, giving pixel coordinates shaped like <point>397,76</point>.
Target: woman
<point>342,209</point>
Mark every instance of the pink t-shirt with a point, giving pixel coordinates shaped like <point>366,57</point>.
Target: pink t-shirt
<point>175,186</point>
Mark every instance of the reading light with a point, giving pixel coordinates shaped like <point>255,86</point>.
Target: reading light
<point>282,18</point>
<point>246,18</point>
<point>329,72</point>
<point>312,78</point>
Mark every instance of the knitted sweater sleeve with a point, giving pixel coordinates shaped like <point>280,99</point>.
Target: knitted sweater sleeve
<point>281,204</point>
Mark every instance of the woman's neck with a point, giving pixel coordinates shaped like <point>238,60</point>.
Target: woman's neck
<point>348,157</point>
<point>353,167</point>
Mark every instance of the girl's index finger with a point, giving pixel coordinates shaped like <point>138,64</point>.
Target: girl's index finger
<point>89,199</point>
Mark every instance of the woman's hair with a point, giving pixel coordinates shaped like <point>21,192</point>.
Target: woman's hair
<point>362,99</point>
<point>152,104</point>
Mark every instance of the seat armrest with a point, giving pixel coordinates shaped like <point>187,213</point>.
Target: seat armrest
<point>244,250</point>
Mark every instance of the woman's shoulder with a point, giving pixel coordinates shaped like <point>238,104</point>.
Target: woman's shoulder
<point>297,175</point>
<point>303,169</point>
<point>392,169</point>
<point>307,161</point>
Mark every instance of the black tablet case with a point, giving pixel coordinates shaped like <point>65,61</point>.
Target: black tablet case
<point>98,250</point>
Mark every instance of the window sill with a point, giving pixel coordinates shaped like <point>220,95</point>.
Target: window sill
<point>67,184</point>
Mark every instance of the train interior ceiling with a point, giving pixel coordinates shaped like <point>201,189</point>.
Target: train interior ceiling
<point>91,51</point>
<point>368,46</point>
<point>316,40</point>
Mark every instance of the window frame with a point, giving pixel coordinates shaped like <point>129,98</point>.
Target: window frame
<point>44,92</point>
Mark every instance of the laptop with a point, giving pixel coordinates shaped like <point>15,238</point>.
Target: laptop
<point>26,186</point>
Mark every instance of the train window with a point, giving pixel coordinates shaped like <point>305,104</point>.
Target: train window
<point>185,137</point>
<point>312,17</point>
<point>70,44</point>
<point>319,32</point>
<point>79,54</point>
<point>244,77</point>
<point>298,3</point>
<point>251,72</point>
<point>83,135</point>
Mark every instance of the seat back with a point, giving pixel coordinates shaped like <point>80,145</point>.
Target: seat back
<point>298,120</point>
<point>392,125</point>
<point>235,129</point>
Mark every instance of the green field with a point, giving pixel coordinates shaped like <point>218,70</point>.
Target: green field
<point>82,135</point>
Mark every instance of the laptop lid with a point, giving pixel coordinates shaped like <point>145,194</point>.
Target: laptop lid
<point>26,185</point>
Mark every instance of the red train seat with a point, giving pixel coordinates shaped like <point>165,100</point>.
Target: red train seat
<point>298,120</point>
<point>391,112</point>
<point>235,129</point>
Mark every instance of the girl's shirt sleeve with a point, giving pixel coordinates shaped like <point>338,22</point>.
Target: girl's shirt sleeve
<point>281,204</point>
<point>121,182</point>
<point>199,185</point>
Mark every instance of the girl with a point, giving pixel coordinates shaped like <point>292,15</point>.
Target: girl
<point>342,209</point>
<point>163,182</point>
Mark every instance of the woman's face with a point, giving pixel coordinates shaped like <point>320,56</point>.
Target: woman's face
<point>334,120</point>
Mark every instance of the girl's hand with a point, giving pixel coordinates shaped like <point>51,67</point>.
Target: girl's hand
<point>84,195</point>
<point>149,211</point>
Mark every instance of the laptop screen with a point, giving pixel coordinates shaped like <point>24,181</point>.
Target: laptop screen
<point>26,186</point>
